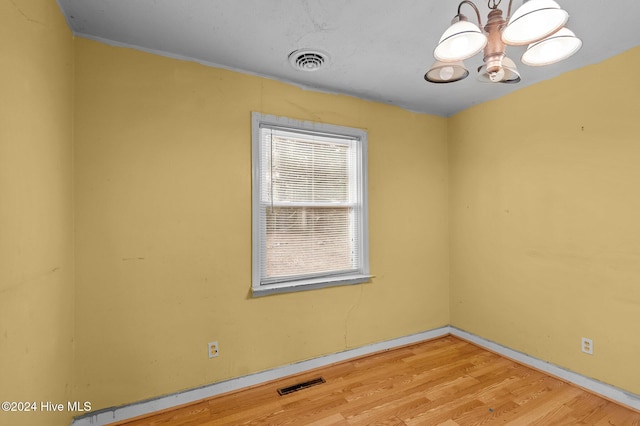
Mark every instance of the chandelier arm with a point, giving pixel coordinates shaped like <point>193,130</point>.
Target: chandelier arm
<point>509,11</point>
<point>470,3</point>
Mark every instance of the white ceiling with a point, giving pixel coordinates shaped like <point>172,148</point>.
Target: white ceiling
<point>379,49</point>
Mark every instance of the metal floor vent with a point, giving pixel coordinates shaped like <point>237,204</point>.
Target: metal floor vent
<point>300,386</point>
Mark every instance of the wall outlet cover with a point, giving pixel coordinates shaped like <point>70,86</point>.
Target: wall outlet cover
<point>587,346</point>
<point>213,349</point>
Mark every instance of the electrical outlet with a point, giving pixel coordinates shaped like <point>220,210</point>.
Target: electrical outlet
<point>213,349</point>
<point>587,346</point>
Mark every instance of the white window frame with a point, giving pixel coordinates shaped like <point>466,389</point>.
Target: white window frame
<point>258,121</point>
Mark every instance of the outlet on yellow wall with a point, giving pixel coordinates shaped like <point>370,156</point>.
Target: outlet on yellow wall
<point>213,349</point>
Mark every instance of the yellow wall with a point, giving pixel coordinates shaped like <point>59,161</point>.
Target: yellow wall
<point>36,222</point>
<point>163,247</point>
<point>532,196</point>
<point>545,220</point>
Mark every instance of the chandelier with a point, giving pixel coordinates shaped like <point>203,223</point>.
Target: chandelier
<point>537,23</point>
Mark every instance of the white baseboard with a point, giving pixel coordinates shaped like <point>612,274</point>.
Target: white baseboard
<point>114,414</point>
<point>610,392</point>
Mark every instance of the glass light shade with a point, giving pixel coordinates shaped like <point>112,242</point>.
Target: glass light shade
<point>552,49</point>
<point>446,72</point>
<point>460,41</point>
<point>508,74</point>
<point>533,21</point>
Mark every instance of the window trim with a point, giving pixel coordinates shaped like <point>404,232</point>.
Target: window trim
<point>259,120</point>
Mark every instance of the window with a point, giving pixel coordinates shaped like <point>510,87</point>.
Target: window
<point>309,205</point>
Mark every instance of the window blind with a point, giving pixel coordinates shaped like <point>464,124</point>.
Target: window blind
<point>309,205</point>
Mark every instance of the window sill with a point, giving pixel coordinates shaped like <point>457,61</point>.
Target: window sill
<point>310,284</point>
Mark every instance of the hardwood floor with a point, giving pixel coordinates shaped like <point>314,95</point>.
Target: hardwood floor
<point>445,382</point>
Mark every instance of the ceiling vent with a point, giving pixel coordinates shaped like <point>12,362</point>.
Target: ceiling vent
<point>307,59</point>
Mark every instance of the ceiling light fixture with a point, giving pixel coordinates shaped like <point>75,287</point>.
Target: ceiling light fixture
<point>537,23</point>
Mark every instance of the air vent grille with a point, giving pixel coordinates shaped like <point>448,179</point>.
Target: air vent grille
<point>308,60</point>
<point>300,386</point>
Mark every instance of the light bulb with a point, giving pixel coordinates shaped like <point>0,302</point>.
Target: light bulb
<point>446,73</point>
<point>496,76</point>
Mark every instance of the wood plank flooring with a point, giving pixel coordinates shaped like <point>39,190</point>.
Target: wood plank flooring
<point>443,382</point>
